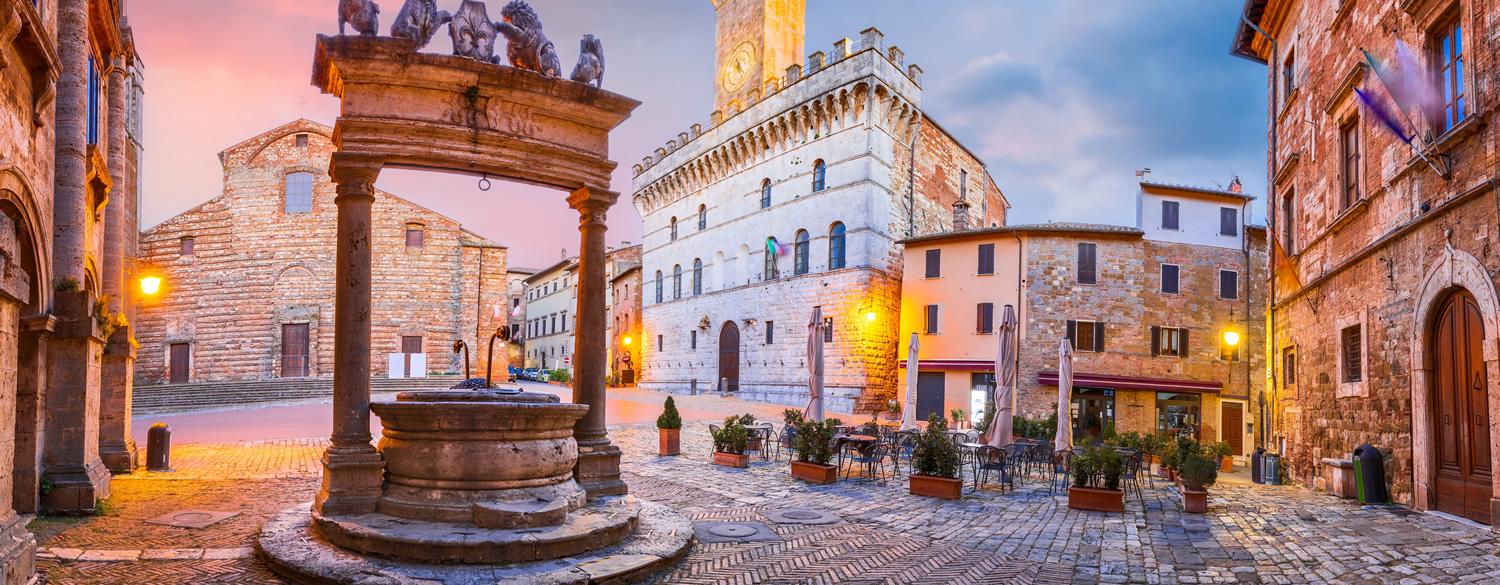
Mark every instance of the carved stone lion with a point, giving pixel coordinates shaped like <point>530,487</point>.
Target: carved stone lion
<point>363,15</point>
<point>590,68</point>
<point>419,21</point>
<point>473,33</point>
<point>526,45</point>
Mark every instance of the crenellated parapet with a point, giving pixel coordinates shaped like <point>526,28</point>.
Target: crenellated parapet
<point>853,85</point>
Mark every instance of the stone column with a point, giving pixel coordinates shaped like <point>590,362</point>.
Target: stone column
<point>116,447</point>
<point>352,468</point>
<point>70,455</point>
<point>598,468</point>
<point>30,412</point>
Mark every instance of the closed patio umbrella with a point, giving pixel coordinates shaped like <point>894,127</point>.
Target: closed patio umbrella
<point>1064,396</point>
<point>909,410</point>
<point>814,410</point>
<point>1004,393</point>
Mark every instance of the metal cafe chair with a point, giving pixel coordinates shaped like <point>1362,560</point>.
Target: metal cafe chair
<point>987,459</point>
<point>784,442</point>
<point>1062,468</point>
<point>871,458</point>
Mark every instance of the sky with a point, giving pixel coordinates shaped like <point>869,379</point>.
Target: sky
<point>1063,100</point>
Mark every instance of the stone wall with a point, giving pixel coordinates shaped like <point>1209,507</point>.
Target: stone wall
<point>255,267</point>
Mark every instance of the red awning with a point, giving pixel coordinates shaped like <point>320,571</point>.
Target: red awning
<point>952,365</point>
<point>1049,378</point>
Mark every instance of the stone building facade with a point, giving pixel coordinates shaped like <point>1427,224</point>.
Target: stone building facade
<point>1146,308</point>
<point>552,303</point>
<point>625,323</point>
<point>792,197</point>
<point>515,286</point>
<point>1385,317</point>
<point>248,276</point>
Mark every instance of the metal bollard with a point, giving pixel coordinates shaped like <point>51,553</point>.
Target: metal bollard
<point>158,447</point>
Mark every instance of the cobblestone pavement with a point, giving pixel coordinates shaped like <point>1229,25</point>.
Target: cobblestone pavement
<point>1252,534</point>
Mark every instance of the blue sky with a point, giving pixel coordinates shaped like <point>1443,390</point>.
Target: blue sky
<point>1062,99</point>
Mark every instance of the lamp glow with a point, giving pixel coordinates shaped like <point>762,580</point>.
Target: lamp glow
<point>870,316</point>
<point>150,285</point>
<point>1231,338</point>
<point>626,340</point>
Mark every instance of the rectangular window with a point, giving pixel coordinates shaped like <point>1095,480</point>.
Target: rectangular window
<point>1169,341</point>
<point>659,343</point>
<point>930,320</point>
<point>411,344</point>
<point>1288,221</point>
<point>93,113</point>
<point>1169,279</point>
<point>1288,76</point>
<point>985,319</point>
<point>1170,215</point>
<point>299,192</point>
<point>828,330</point>
<point>1289,367</point>
<point>301,141</point>
<point>693,339</point>
<point>986,259</point>
<point>1229,284</point>
<point>1229,221</point>
<point>934,263</point>
<point>1448,64</point>
<point>414,237</point>
<point>1349,170</point>
<point>770,332</point>
<point>1351,347</point>
<point>187,246</point>
<point>1087,259</point>
<point>1086,335</point>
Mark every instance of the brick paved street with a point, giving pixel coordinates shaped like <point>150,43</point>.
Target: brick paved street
<point>1253,534</point>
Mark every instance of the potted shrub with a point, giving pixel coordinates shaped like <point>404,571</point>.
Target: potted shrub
<point>813,444</point>
<point>747,421</point>
<point>1167,456</point>
<point>958,419</point>
<point>730,444</point>
<point>669,429</point>
<point>1199,470</point>
<point>934,463</point>
<point>1226,461</point>
<point>1096,481</point>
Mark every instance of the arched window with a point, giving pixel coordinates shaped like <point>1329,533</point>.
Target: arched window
<point>697,276</point>
<point>800,252</point>
<point>298,194</point>
<point>674,229</point>
<point>677,281</point>
<point>836,246</point>
<point>658,286</point>
<point>820,172</point>
<point>702,217</point>
<point>771,248</point>
<point>765,194</point>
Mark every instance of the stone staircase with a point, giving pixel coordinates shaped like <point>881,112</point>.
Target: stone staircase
<point>173,398</point>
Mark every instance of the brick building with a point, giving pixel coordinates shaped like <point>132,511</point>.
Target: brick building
<point>1146,308</point>
<point>1385,318</point>
<point>249,276</point>
<point>625,324</point>
<point>793,196</point>
<point>515,286</point>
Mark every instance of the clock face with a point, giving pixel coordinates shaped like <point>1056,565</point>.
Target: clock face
<point>737,67</point>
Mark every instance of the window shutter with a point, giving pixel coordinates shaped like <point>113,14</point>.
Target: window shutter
<point>1169,218</point>
<point>1087,273</point>
<point>1155,340</point>
<point>1072,331</point>
<point>934,263</point>
<point>1099,336</point>
<point>1182,342</point>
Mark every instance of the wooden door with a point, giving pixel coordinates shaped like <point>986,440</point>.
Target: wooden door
<point>1232,426</point>
<point>178,363</point>
<point>729,357</point>
<point>930,393</point>
<point>294,346</point>
<point>410,344</point>
<point>1461,410</point>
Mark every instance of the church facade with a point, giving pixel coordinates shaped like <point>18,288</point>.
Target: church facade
<point>248,277</point>
<point>794,196</point>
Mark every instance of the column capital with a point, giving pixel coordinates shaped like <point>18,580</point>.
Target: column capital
<point>355,174</point>
<point>592,205</point>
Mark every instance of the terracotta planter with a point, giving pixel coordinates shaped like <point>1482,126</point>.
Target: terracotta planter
<point>731,460</point>
<point>1194,501</point>
<point>669,441</point>
<point>936,487</point>
<point>814,473</point>
<point>1226,465</point>
<point>1098,500</point>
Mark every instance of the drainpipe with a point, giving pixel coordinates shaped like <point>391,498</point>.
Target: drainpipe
<point>1264,436</point>
<point>1015,397</point>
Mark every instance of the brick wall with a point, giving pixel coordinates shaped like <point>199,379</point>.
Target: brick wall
<point>256,267</point>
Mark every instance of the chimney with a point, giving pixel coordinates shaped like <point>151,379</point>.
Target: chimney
<point>960,215</point>
<point>1235,186</point>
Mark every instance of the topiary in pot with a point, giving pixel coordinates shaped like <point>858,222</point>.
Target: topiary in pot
<point>934,462</point>
<point>813,445</point>
<point>730,444</point>
<point>1096,481</point>
<point>669,429</point>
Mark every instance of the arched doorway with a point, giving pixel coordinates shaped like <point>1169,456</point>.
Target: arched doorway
<point>729,356</point>
<point>1460,409</point>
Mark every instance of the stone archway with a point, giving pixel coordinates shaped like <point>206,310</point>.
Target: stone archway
<point>1455,270</point>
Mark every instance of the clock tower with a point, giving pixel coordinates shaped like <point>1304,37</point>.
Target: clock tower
<point>757,40</point>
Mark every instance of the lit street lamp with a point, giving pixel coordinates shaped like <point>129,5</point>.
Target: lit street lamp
<point>150,285</point>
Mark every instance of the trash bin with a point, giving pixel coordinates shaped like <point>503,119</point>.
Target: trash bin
<point>1369,475</point>
<point>1255,464</point>
<point>1270,474</point>
<point>159,447</point>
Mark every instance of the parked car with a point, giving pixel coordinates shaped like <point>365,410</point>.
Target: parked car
<point>532,374</point>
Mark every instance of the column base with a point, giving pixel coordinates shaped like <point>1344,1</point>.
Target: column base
<point>119,458</point>
<point>17,551</point>
<point>75,490</point>
<point>598,469</point>
<point>351,482</point>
